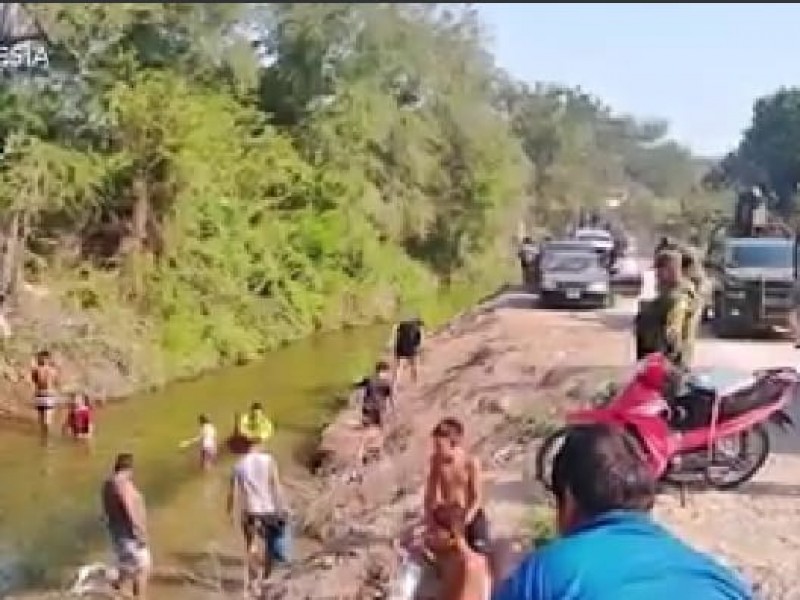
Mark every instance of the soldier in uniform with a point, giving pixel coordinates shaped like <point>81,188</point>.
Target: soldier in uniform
<point>700,291</point>
<point>662,325</point>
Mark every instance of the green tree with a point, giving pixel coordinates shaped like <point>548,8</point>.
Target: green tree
<point>769,153</point>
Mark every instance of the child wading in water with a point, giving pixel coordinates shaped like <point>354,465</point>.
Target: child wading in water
<point>80,419</point>
<point>207,440</point>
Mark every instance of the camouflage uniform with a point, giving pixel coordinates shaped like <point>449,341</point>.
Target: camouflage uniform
<point>663,324</point>
<point>699,289</point>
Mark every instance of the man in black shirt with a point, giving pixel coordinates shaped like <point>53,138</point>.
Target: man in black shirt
<point>407,342</point>
<point>377,397</point>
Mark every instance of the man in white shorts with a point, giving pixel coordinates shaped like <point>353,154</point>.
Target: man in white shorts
<point>256,490</point>
<point>126,519</point>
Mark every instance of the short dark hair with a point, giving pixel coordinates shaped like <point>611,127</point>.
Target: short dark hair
<point>123,462</point>
<point>449,428</point>
<point>256,406</point>
<point>43,355</point>
<point>381,365</point>
<point>203,419</point>
<point>604,469</point>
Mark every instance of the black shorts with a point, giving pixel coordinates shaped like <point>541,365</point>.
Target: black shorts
<point>266,526</point>
<point>406,352</point>
<point>371,417</point>
<point>478,532</point>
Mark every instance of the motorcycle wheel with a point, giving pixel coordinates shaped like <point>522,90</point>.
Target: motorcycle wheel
<point>755,442</point>
<point>544,457</point>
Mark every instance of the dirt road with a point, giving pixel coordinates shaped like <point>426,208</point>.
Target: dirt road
<point>757,527</point>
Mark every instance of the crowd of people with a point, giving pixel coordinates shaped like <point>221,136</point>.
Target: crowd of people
<point>609,545</point>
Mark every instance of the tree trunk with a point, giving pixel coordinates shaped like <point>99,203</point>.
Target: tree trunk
<point>13,254</point>
<point>139,219</point>
<point>141,213</point>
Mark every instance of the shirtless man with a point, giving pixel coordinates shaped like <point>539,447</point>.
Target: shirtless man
<point>454,477</point>
<point>45,378</point>
<point>126,519</point>
<point>464,573</point>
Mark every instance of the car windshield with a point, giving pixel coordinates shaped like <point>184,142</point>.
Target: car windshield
<point>569,262</point>
<point>593,237</point>
<point>771,256</point>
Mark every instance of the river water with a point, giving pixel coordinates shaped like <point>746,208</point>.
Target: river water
<point>49,496</point>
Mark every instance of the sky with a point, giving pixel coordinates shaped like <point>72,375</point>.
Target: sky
<point>699,66</point>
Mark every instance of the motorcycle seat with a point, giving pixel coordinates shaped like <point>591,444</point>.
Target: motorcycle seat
<point>695,404</point>
<point>721,384</point>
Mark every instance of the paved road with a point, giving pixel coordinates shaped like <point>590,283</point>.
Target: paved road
<point>740,355</point>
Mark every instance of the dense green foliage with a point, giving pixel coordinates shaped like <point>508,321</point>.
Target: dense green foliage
<point>769,153</point>
<point>238,175</point>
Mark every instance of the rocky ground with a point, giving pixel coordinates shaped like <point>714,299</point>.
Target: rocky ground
<point>508,372</point>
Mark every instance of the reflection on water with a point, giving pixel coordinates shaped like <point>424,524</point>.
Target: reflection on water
<point>49,503</point>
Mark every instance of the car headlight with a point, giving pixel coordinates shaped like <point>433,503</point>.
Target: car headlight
<point>597,286</point>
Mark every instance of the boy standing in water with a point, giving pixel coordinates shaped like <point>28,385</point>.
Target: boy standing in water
<point>464,573</point>
<point>207,438</point>
<point>256,490</point>
<point>45,378</point>
<point>255,425</point>
<point>80,420</point>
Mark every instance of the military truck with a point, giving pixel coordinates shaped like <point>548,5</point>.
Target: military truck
<point>752,264</point>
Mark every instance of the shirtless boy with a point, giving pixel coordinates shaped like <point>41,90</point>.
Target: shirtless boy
<point>464,573</point>
<point>454,477</point>
<point>45,378</point>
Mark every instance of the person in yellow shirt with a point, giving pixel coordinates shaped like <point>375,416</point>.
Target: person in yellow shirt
<point>255,425</point>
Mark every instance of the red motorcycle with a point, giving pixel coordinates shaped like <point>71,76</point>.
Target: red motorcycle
<point>712,430</point>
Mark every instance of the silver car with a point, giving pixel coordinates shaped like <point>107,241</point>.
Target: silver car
<point>574,277</point>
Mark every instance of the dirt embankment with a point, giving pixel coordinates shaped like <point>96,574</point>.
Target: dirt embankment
<point>106,355</point>
<point>509,374</point>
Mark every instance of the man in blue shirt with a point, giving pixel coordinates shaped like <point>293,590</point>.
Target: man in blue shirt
<point>610,548</point>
